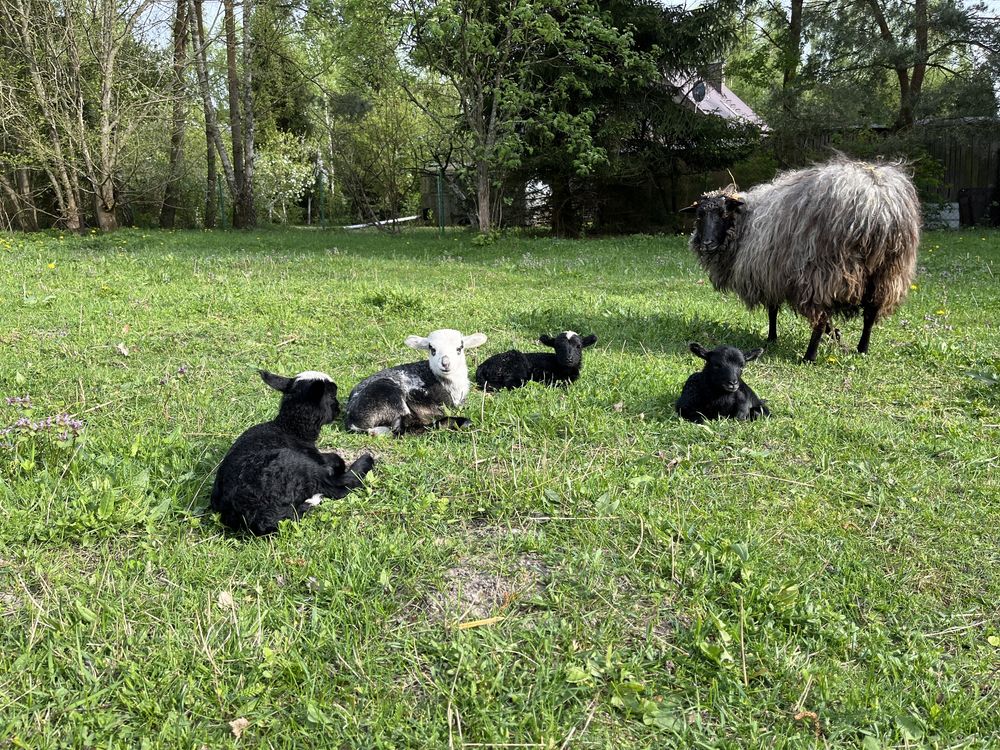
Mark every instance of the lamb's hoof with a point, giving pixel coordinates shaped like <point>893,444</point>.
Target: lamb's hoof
<point>362,465</point>
<point>809,360</point>
<point>460,423</point>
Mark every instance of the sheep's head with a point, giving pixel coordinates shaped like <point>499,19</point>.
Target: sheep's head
<point>724,365</point>
<point>569,346</point>
<point>715,213</point>
<point>447,348</point>
<point>309,396</point>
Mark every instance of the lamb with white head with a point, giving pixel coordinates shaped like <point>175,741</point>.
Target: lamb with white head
<point>412,397</point>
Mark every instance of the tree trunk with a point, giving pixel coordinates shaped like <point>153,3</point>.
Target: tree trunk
<point>565,221</point>
<point>212,135</point>
<point>793,47</point>
<point>483,189</point>
<point>168,212</point>
<point>235,119</point>
<point>29,214</point>
<point>246,202</point>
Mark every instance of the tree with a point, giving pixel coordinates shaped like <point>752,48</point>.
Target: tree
<point>644,136</point>
<point>179,34</point>
<point>491,53</point>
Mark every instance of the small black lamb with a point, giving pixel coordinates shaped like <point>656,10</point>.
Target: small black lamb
<point>513,368</point>
<point>273,471</point>
<point>718,390</point>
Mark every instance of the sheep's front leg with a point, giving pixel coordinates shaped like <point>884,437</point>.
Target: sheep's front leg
<point>871,312</point>
<point>817,334</point>
<point>772,323</point>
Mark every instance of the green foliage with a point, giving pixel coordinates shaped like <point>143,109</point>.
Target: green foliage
<point>660,584</point>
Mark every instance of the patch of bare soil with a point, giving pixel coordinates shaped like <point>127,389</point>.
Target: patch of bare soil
<point>483,586</point>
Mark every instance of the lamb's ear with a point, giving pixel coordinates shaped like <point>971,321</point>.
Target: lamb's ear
<point>689,209</point>
<point>589,340</point>
<point>547,340</point>
<point>474,340</point>
<point>698,350</point>
<point>751,355</point>
<point>417,342</point>
<point>278,382</point>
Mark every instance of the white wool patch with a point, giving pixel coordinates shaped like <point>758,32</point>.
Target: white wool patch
<point>315,499</point>
<point>570,334</point>
<point>313,375</point>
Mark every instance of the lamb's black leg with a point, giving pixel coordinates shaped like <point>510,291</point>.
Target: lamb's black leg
<point>453,423</point>
<point>871,312</point>
<point>772,323</point>
<point>340,485</point>
<point>814,341</point>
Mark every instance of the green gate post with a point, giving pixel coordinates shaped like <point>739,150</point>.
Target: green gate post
<point>440,202</point>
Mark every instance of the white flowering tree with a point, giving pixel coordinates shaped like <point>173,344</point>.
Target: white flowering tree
<point>284,172</point>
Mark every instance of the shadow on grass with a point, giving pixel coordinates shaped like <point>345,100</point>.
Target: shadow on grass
<point>660,332</point>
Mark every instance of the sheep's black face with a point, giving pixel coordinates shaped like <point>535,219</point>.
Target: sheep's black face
<point>328,406</point>
<point>714,218</point>
<point>724,365</point>
<point>569,346</point>
<point>312,396</point>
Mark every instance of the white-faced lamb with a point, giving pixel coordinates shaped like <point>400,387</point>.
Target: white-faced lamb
<point>835,239</point>
<point>274,471</point>
<point>512,369</point>
<point>412,397</point>
<point>718,390</point>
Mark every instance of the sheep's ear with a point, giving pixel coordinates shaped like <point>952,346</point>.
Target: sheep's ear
<point>474,340</point>
<point>589,340</point>
<point>689,209</point>
<point>751,355</point>
<point>734,203</point>
<point>417,342</point>
<point>547,340</point>
<point>698,350</point>
<point>278,382</point>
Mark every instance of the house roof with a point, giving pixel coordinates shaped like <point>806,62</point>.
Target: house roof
<point>719,99</point>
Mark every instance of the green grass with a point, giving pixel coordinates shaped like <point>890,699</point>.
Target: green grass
<point>661,584</point>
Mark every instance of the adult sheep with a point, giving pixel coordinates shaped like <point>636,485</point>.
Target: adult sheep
<point>834,239</point>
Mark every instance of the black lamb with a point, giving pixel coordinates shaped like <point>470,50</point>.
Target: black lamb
<point>718,391</point>
<point>274,471</point>
<point>513,368</point>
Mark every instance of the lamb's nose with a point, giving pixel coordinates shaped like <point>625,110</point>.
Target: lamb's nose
<point>445,363</point>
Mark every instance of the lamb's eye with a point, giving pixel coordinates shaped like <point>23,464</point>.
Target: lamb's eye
<point>461,349</point>
<point>432,351</point>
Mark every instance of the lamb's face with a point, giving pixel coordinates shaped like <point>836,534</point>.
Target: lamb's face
<point>320,389</point>
<point>312,389</point>
<point>715,214</point>
<point>724,365</point>
<point>569,346</point>
<point>446,349</point>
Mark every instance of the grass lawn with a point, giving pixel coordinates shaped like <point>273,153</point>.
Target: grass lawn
<point>829,577</point>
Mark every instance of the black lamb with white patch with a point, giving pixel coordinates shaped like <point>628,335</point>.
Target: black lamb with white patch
<point>718,391</point>
<point>513,369</point>
<point>274,471</point>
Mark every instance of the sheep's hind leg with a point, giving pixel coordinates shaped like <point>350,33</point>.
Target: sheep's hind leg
<point>817,334</point>
<point>453,423</point>
<point>772,323</point>
<point>871,312</point>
